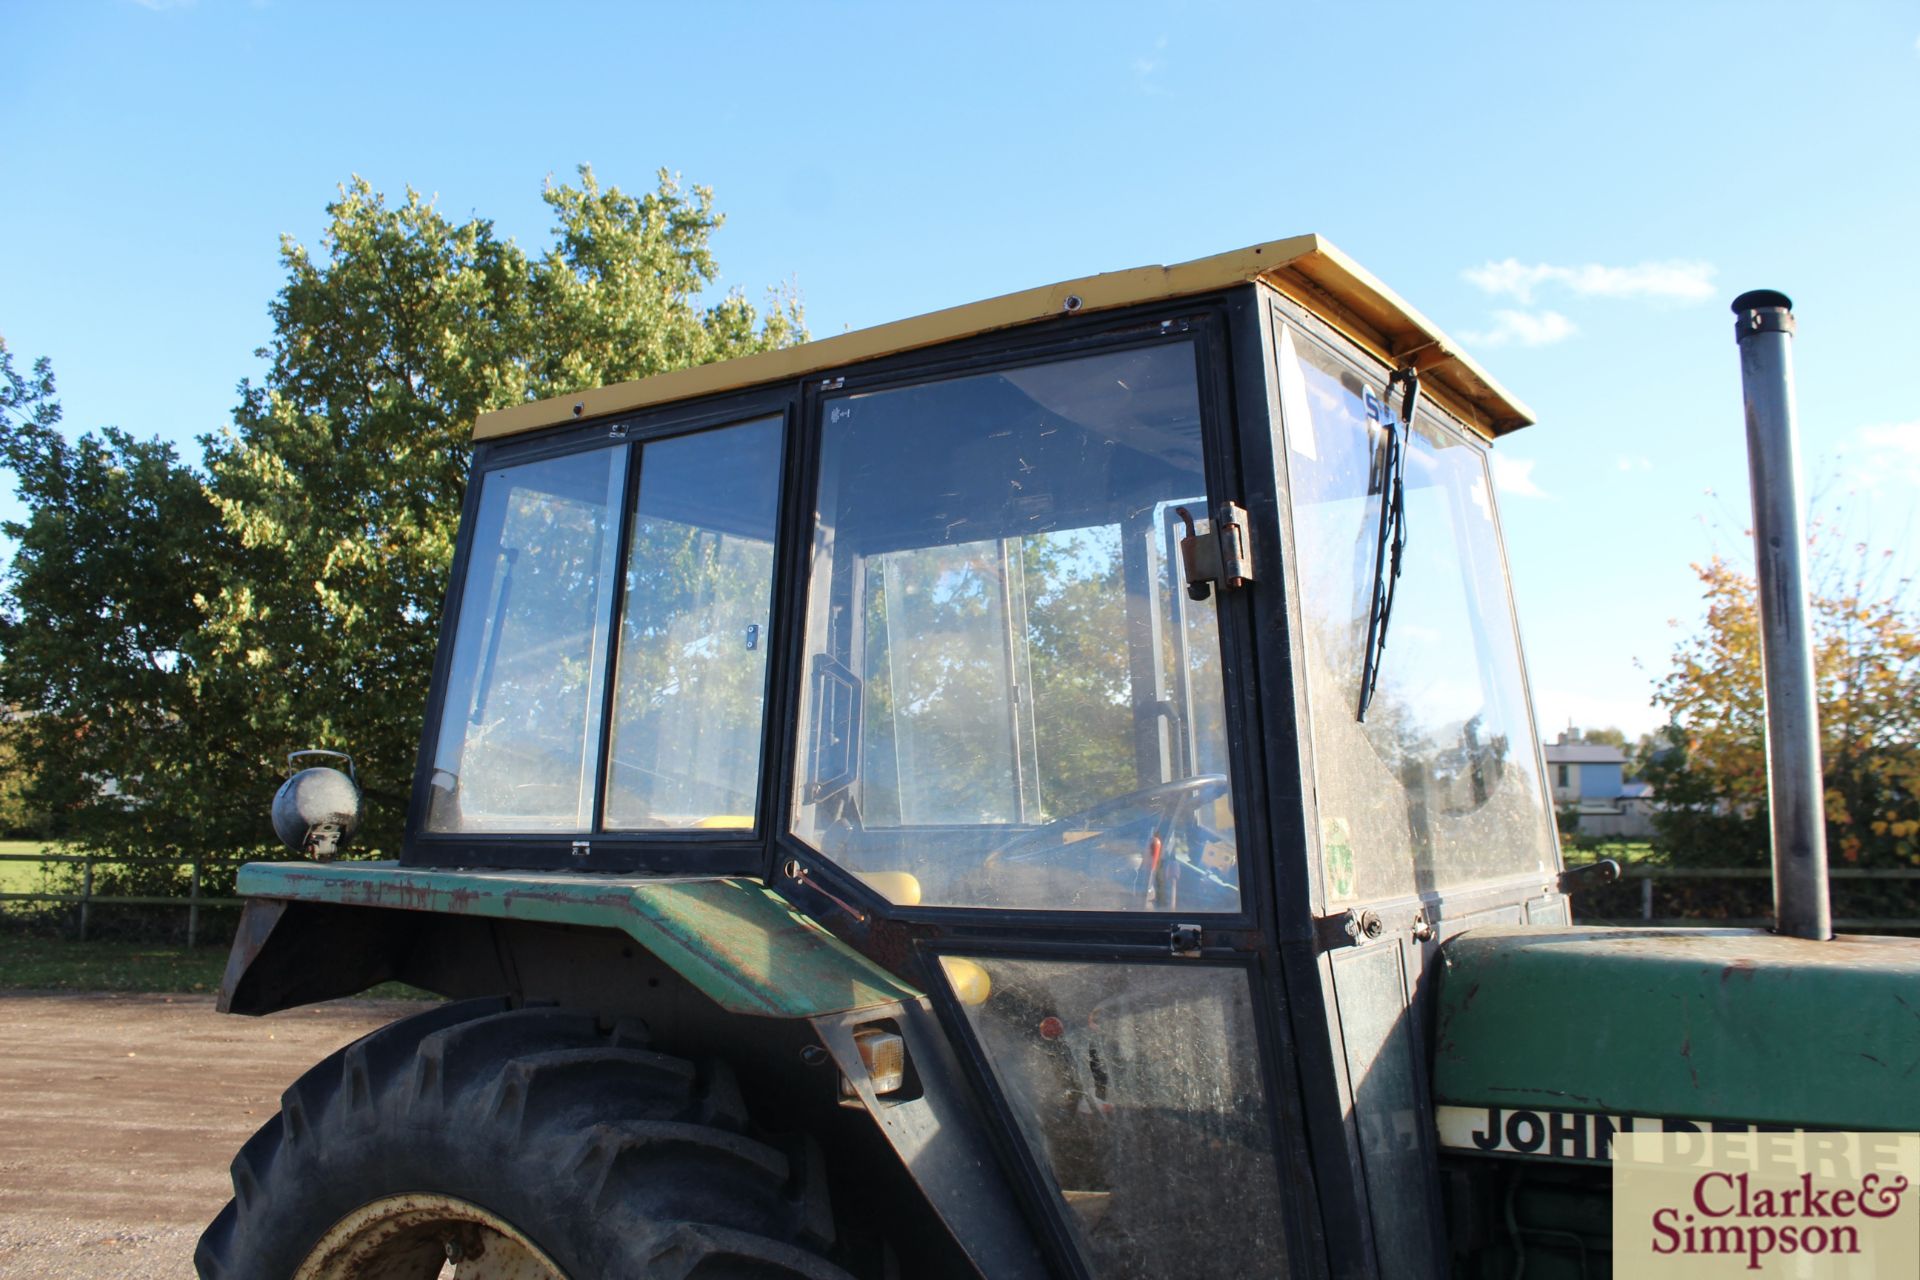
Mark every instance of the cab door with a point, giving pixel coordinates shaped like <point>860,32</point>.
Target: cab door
<point>1025,770</point>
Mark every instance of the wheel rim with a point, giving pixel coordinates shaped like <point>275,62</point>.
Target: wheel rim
<point>421,1236</point>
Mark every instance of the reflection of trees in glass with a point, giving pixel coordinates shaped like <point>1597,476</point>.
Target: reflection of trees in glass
<point>941,713</point>
<point>980,537</point>
<point>939,710</point>
<point>528,721</point>
<point>1077,645</point>
<point>1437,786</point>
<point>692,674</point>
<point>690,688</point>
<point>879,761</point>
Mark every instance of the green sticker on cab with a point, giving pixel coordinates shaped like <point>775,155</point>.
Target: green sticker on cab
<point>1336,845</point>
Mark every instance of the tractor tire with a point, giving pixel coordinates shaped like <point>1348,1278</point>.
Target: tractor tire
<point>524,1143</point>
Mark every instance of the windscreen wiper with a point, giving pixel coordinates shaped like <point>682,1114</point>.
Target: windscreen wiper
<point>1391,540</point>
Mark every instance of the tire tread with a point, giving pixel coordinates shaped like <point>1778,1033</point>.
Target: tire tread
<point>616,1158</point>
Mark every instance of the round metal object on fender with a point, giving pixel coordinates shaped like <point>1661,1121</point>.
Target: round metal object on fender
<point>316,811</point>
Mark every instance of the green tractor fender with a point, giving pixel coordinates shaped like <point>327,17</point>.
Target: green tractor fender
<point>721,962</point>
<point>735,941</point>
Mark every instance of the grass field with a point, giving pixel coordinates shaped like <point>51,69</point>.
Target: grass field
<point>29,962</point>
<point>56,964</point>
<point>23,877</point>
<point>1626,853</point>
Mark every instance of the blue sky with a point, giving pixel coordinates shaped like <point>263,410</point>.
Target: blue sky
<point>1577,192</point>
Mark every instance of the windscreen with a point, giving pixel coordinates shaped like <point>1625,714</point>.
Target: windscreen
<point>1010,698</point>
<point>1440,785</point>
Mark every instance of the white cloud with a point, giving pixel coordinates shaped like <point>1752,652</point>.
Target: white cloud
<point>1894,437</point>
<point>1528,328</point>
<point>1634,462</point>
<point>1511,276</point>
<point>1514,475</point>
<point>1677,280</point>
<point>1881,456</point>
<point>1869,463</point>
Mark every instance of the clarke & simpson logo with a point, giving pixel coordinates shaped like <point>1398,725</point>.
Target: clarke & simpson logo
<point>1812,1205</point>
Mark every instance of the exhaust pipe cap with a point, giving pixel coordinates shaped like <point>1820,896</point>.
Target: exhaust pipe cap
<point>1762,311</point>
<point>1754,299</point>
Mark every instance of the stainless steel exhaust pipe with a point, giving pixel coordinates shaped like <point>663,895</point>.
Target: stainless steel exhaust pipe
<point>1795,790</point>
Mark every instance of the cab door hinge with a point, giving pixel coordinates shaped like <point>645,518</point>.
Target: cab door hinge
<point>1347,929</point>
<point>1602,871</point>
<point>1220,553</point>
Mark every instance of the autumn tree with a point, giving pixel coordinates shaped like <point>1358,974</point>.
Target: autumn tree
<point>1711,773</point>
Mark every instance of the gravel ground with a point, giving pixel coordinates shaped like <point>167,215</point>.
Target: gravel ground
<point>119,1113</point>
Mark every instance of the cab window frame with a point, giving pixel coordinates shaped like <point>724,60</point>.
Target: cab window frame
<point>861,564</point>
<point>1205,323</point>
<point>665,851</point>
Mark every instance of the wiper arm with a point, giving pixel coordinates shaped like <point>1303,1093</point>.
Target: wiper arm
<point>1391,540</point>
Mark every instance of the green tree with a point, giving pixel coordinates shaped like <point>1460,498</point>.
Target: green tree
<point>121,740</point>
<point>1711,773</point>
<point>170,633</point>
<point>343,473</point>
<point>20,819</point>
<point>1611,737</point>
<point>1644,751</point>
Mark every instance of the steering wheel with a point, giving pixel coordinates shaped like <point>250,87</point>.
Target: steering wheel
<point>1125,840</point>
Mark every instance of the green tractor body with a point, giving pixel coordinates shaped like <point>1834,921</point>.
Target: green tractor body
<point>1046,788</point>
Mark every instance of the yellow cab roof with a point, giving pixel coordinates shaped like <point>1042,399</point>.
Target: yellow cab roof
<point>1306,269</point>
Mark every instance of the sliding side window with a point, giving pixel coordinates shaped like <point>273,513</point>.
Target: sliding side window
<point>690,690</point>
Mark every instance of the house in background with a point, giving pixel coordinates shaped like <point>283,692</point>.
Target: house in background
<point>1589,778</point>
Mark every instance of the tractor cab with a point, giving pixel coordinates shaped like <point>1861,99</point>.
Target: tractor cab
<point>1125,670</point>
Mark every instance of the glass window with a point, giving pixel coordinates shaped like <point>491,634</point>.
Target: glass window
<point>690,687</point>
<point>1011,700</point>
<point>1138,1089</point>
<point>1441,785</point>
<point>945,744</point>
<point>521,723</point>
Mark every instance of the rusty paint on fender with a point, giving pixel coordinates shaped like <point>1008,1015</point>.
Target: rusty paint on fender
<point>735,940</point>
